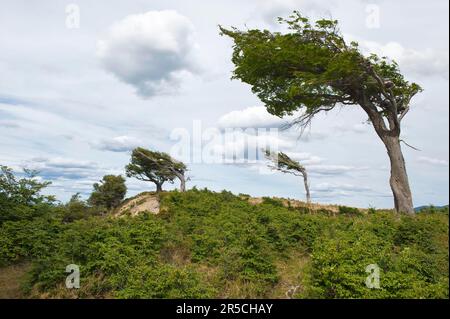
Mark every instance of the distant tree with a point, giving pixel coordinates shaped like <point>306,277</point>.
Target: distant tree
<point>109,193</point>
<point>21,198</point>
<point>77,208</point>
<point>283,163</point>
<point>312,68</point>
<point>156,167</point>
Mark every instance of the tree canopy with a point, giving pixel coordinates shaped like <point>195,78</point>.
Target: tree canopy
<point>109,193</point>
<point>155,167</point>
<point>21,198</point>
<point>283,163</point>
<point>314,69</point>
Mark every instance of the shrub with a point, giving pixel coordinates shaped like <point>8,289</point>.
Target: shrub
<point>218,245</point>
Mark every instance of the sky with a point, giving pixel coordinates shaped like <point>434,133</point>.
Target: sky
<point>82,83</point>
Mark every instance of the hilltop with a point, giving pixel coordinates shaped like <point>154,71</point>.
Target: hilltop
<point>149,202</point>
<point>203,244</point>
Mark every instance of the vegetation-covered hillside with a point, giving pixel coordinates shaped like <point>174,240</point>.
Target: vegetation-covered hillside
<point>206,244</point>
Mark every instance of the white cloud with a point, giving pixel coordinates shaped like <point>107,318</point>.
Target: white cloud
<point>432,161</point>
<point>66,168</point>
<point>240,144</point>
<point>356,128</point>
<point>305,158</point>
<point>118,144</point>
<point>336,190</point>
<point>9,124</point>
<point>332,187</point>
<point>150,51</point>
<point>426,62</point>
<point>272,9</point>
<point>334,169</point>
<point>252,117</point>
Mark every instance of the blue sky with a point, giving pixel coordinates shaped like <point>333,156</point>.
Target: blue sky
<point>81,85</point>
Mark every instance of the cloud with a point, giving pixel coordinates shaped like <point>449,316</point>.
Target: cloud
<point>150,51</point>
<point>334,169</point>
<point>118,144</point>
<point>240,145</point>
<point>426,62</point>
<point>331,187</point>
<point>356,128</point>
<point>432,161</point>
<point>252,117</point>
<point>336,190</point>
<point>8,124</point>
<point>56,168</point>
<point>272,9</point>
<point>305,158</point>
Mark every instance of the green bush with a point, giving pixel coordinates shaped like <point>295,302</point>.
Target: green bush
<point>217,245</point>
<point>412,253</point>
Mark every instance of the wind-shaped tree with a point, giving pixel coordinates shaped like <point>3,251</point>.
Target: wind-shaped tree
<point>156,167</point>
<point>283,163</point>
<point>311,68</point>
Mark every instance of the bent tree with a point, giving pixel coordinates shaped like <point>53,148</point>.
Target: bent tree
<point>311,68</point>
<point>156,167</point>
<point>284,164</point>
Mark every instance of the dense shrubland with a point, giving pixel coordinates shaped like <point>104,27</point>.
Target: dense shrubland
<point>206,244</point>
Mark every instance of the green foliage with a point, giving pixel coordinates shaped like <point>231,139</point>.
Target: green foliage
<point>409,268</point>
<point>312,67</point>
<point>21,198</point>
<point>217,245</point>
<point>164,281</point>
<point>272,201</point>
<point>155,167</point>
<point>109,193</point>
<point>284,163</point>
<point>351,211</point>
<point>76,209</point>
<point>28,239</point>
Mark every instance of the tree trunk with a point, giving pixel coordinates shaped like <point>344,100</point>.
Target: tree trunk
<point>182,184</point>
<point>308,193</point>
<point>182,179</point>
<point>399,177</point>
<point>158,188</point>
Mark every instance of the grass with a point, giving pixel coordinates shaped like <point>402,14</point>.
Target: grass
<point>11,279</point>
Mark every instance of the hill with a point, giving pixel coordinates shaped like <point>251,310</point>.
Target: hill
<point>203,244</point>
<point>149,202</point>
<point>430,207</point>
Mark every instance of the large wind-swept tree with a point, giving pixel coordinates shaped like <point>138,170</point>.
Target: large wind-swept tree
<point>313,69</point>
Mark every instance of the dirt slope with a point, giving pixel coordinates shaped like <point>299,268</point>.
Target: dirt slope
<point>145,202</point>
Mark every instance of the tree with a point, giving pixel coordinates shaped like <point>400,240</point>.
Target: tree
<point>109,193</point>
<point>284,164</point>
<point>21,198</point>
<point>156,167</point>
<point>77,208</point>
<point>311,68</point>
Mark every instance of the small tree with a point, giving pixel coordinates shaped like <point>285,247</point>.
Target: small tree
<point>313,69</point>
<point>109,193</point>
<point>284,164</point>
<point>77,208</point>
<point>156,167</point>
<point>21,198</point>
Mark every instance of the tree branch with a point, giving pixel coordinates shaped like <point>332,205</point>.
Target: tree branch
<point>400,119</point>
